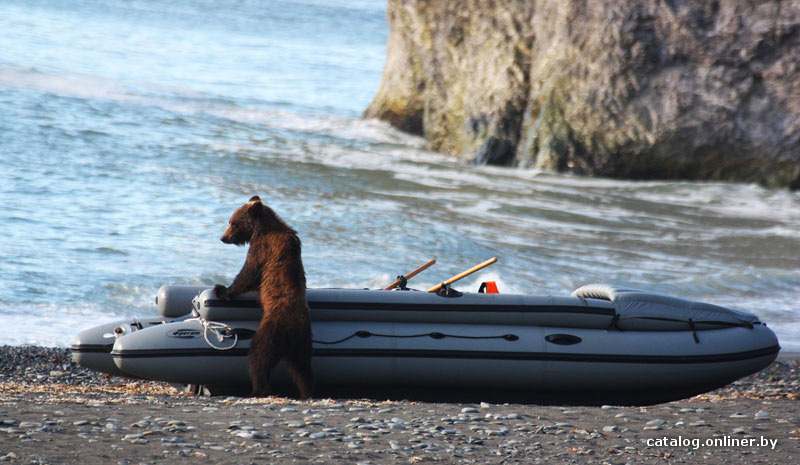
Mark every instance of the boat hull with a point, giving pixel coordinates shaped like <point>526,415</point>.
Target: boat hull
<point>643,365</point>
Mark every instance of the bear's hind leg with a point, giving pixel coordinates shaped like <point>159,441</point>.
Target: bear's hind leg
<point>261,366</point>
<point>300,365</point>
<point>263,358</point>
<point>302,376</point>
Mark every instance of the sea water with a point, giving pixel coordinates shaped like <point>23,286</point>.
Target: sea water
<point>130,130</point>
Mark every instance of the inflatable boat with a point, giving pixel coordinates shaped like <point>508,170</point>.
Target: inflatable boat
<point>92,347</point>
<point>602,343</point>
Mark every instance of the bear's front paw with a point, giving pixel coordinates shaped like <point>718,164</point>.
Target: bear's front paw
<point>221,291</point>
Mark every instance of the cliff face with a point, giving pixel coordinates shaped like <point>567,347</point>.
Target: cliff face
<point>638,89</point>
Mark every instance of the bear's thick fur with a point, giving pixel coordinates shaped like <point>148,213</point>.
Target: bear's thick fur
<point>274,267</point>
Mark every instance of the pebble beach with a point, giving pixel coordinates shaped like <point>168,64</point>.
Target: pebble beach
<point>53,412</point>
<point>387,132</point>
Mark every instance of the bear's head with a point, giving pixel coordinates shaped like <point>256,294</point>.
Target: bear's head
<point>246,220</point>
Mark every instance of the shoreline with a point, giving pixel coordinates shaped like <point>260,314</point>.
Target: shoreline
<point>52,411</point>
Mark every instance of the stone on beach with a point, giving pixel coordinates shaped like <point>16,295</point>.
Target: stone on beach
<point>761,415</point>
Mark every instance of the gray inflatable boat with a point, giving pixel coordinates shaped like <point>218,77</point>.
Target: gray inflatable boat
<point>92,347</point>
<point>601,343</point>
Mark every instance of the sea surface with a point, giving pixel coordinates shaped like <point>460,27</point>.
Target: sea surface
<point>130,130</point>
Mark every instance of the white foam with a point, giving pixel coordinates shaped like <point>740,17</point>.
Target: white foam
<point>52,325</point>
<point>75,85</point>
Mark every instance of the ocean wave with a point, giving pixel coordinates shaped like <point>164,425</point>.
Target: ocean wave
<point>185,102</point>
<point>102,250</point>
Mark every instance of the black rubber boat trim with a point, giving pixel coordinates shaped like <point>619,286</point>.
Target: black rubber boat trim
<point>411,307</point>
<point>92,348</point>
<point>471,354</point>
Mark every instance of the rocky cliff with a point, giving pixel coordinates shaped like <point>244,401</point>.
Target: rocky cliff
<point>636,89</point>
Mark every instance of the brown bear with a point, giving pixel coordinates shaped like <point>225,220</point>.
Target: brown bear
<point>274,267</point>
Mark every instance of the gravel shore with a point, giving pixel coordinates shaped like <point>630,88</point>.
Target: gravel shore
<point>54,412</point>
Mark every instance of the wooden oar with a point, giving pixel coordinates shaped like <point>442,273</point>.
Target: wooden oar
<point>410,274</point>
<point>463,274</point>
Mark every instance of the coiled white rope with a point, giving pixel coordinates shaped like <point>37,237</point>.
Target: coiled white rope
<point>220,331</point>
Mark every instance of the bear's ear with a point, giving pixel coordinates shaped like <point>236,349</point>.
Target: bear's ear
<point>254,208</point>
<point>255,199</point>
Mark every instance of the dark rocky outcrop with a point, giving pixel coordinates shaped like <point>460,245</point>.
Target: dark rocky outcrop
<point>637,89</point>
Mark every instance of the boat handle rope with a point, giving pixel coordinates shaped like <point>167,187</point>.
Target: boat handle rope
<point>692,323</point>
<point>221,331</point>
<point>432,335</point>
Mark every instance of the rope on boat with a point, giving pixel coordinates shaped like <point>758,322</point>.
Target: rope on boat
<point>433,335</point>
<point>221,331</point>
<point>692,323</point>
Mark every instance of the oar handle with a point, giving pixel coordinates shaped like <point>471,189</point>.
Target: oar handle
<point>463,274</point>
<point>411,274</point>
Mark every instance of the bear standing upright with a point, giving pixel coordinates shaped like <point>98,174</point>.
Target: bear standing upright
<point>274,267</point>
